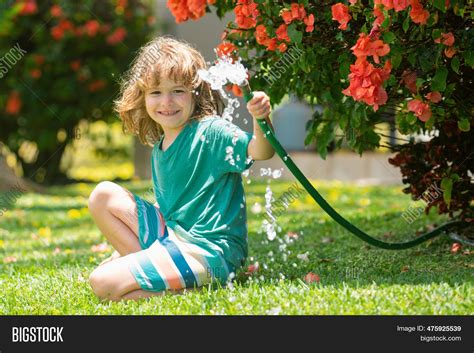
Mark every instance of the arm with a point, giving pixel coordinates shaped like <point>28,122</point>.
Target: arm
<point>259,147</point>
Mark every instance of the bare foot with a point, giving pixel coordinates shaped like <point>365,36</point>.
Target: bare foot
<point>115,255</point>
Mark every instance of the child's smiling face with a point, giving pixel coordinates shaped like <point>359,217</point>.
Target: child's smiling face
<point>170,104</point>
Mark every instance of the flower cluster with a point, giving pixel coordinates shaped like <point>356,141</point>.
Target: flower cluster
<point>183,10</point>
<point>366,80</point>
<point>447,39</point>
<point>247,16</point>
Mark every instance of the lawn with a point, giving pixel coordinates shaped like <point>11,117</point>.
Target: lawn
<point>49,245</point>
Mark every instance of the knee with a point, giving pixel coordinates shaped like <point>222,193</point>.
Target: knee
<point>102,286</point>
<point>101,195</point>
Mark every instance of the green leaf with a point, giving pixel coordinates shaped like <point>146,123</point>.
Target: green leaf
<point>440,5</point>
<point>436,34</point>
<point>411,118</point>
<point>295,35</point>
<point>406,24</point>
<point>396,57</point>
<point>388,37</point>
<point>469,57</point>
<point>419,82</point>
<point>439,80</point>
<point>447,186</point>
<point>464,125</point>
<point>455,65</point>
<point>412,58</point>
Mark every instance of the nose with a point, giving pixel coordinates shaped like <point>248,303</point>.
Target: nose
<point>166,98</point>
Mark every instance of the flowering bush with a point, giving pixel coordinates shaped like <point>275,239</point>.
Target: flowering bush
<point>59,61</point>
<point>409,62</point>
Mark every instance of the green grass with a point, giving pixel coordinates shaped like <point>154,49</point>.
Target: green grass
<point>46,257</point>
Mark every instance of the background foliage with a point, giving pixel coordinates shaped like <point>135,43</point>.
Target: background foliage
<point>72,54</point>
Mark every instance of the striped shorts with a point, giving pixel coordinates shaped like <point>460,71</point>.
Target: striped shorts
<point>168,261</point>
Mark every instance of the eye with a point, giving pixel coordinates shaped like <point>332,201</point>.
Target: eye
<point>155,92</point>
<point>179,91</point>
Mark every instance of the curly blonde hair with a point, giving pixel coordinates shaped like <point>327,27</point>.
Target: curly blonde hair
<point>163,57</point>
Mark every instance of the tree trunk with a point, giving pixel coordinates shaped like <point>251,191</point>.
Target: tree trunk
<point>141,160</point>
<point>10,181</point>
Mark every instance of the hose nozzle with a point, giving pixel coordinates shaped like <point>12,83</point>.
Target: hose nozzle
<point>246,90</point>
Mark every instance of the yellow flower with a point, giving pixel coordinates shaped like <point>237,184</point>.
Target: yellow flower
<point>2,243</point>
<point>44,232</point>
<point>364,202</point>
<point>333,195</point>
<point>74,214</point>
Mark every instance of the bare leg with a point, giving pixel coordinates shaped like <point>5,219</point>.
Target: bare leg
<point>114,281</point>
<point>140,294</point>
<point>115,255</point>
<point>114,210</point>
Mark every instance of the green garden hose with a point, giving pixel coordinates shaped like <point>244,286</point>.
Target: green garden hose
<point>247,93</point>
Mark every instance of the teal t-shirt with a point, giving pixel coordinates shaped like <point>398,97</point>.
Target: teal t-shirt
<point>198,185</point>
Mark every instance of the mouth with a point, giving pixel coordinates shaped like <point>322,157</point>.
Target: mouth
<point>169,112</point>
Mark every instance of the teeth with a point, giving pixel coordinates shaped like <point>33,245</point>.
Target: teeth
<point>169,113</point>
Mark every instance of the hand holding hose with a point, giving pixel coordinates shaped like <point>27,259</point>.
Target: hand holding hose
<point>259,106</point>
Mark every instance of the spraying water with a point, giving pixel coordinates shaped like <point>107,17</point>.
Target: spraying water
<point>224,71</point>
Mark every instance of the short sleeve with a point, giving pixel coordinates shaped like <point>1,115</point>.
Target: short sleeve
<point>229,146</point>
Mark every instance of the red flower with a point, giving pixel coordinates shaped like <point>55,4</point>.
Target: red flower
<point>409,79</point>
<point>29,7</point>
<point>35,73</point>
<point>246,14</point>
<point>236,90</point>
<point>455,248</point>
<point>297,11</point>
<point>56,11</point>
<point>287,16</point>
<point>421,110</point>
<point>96,85</point>
<point>261,34</point>
<point>116,36</point>
<point>446,39</point>
<point>309,22</point>
<point>226,49</point>
<point>122,3</point>
<point>58,31</point>
<point>400,5</point>
<point>75,65</point>
<point>379,16</point>
<point>365,46</point>
<point>39,59</point>
<point>13,103</point>
<point>450,51</point>
<point>252,268</point>
<point>92,27</point>
<point>388,4</point>
<point>271,44</point>
<point>340,13</point>
<point>282,47</point>
<point>365,82</point>
<point>282,33</point>
<point>434,97</point>
<point>418,14</point>
<point>183,10</point>
<point>196,8</point>
<point>311,278</point>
